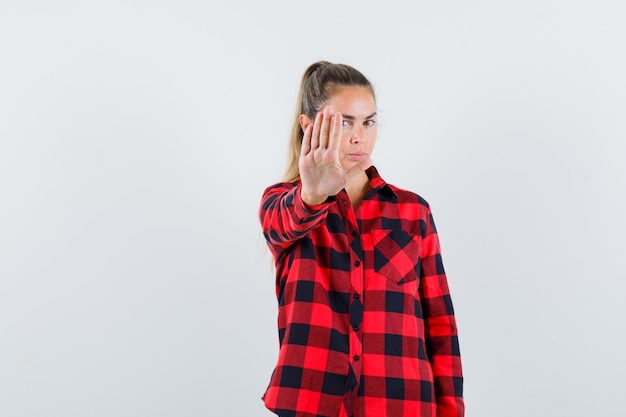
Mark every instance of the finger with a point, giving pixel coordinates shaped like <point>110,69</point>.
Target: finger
<point>325,128</point>
<point>315,134</point>
<point>335,132</point>
<point>306,140</point>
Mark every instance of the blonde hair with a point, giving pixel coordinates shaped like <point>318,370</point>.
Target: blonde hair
<point>319,82</point>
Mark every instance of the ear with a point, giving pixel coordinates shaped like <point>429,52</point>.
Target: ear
<point>305,120</point>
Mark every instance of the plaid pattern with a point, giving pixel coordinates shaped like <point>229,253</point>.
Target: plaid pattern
<point>365,320</point>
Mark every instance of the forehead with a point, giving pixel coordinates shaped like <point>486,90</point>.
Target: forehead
<point>352,100</point>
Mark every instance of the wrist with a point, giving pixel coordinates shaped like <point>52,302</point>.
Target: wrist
<point>311,199</point>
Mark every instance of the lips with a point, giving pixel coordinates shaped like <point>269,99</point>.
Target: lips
<point>357,156</point>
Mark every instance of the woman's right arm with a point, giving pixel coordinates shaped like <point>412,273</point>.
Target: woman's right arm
<point>284,215</point>
<point>285,218</point>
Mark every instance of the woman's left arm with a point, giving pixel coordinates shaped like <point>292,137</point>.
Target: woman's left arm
<point>442,341</point>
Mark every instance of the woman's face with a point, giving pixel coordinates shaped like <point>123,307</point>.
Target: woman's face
<point>358,108</point>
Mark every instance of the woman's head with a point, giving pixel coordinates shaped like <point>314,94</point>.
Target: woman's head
<point>320,81</point>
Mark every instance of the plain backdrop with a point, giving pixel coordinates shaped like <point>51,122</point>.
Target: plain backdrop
<point>136,139</point>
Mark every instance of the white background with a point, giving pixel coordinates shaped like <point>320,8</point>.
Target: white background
<point>136,138</point>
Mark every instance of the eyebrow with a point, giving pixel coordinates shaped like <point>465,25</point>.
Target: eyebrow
<point>349,117</point>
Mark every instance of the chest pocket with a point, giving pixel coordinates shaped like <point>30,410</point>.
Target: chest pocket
<point>397,255</point>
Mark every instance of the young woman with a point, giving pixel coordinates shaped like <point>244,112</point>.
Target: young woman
<point>365,320</point>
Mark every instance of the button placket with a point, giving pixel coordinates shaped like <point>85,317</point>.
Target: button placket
<point>357,281</point>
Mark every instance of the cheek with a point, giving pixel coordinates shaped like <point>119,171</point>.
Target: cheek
<point>345,140</point>
<point>371,137</point>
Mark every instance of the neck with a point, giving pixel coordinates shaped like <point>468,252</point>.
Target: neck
<point>356,189</point>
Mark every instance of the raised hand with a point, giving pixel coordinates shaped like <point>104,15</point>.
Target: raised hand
<point>320,169</point>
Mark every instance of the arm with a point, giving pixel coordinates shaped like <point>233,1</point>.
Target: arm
<point>442,341</point>
<point>285,217</point>
<point>290,211</point>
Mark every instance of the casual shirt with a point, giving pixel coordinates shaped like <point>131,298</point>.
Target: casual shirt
<point>365,320</point>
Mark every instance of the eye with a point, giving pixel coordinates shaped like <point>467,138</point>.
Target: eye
<point>369,122</point>
<point>346,123</point>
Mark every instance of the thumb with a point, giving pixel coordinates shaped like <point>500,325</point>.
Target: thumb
<point>359,168</point>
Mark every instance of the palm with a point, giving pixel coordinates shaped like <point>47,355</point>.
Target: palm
<point>320,169</point>
<point>321,173</point>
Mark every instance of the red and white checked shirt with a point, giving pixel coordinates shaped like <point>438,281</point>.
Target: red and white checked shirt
<point>365,320</point>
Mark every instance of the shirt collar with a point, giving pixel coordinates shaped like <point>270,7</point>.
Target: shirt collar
<point>378,183</point>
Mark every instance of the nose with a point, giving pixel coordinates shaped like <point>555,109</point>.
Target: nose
<point>357,134</point>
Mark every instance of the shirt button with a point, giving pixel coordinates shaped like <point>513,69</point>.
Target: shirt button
<point>357,296</point>
<point>354,234</point>
<point>356,358</point>
<point>357,263</point>
<point>355,328</point>
<point>345,203</point>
